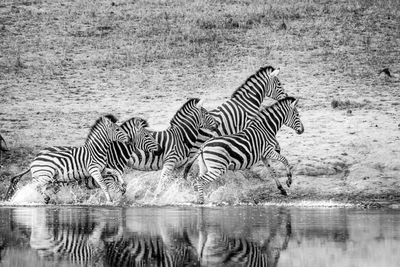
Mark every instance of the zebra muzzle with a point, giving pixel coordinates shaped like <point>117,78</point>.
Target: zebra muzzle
<point>301,130</point>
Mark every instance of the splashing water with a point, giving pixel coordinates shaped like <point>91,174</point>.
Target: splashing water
<point>27,195</point>
<point>233,188</point>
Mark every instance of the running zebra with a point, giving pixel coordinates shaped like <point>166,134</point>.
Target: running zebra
<point>118,154</point>
<point>244,149</point>
<point>243,106</point>
<point>176,141</point>
<point>74,164</point>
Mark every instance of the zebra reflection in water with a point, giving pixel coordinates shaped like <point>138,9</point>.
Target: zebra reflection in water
<point>122,238</point>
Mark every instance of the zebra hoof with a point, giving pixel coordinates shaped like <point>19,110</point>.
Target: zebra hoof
<point>46,200</point>
<point>283,191</point>
<point>288,183</point>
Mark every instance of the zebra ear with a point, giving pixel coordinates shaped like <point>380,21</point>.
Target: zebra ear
<point>294,103</point>
<point>200,103</point>
<point>275,72</point>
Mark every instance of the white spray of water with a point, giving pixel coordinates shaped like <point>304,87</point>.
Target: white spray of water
<point>233,188</point>
<point>27,195</point>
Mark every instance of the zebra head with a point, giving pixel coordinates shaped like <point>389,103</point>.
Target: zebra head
<point>274,87</point>
<point>207,121</point>
<point>115,132</point>
<point>142,139</point>
<point>292,119</point>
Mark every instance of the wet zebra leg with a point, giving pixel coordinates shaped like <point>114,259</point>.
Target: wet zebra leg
<point>276,156</point>
<point>99,179</point>
<point>165,177</point>
<point>274,176</point>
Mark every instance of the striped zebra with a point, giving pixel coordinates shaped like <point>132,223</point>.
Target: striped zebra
<point>118,154</point>
<point>76,163</point>
<point>244,149</point>
<point>176,141</point>
<point>242,107</point>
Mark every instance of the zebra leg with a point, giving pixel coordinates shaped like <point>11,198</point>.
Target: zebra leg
<point>274,176</point>
<point>204,180</point>
<point>99,179</point>
<point>165,176</point>
<point>276,156</point>
<point>113,172</point>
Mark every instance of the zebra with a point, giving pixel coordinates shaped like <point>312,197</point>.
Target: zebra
<point>243,106</point>
<point>176,141</point>
<point>76,163</point>
<point>118,154</point>
<point>244,149</point>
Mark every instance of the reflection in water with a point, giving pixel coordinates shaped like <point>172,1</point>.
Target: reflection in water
<point>231,236</point>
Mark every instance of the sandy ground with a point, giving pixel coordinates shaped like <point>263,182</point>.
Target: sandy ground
<point>62,65</point>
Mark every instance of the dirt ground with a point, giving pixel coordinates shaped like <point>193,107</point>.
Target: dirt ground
<point>65,63</point>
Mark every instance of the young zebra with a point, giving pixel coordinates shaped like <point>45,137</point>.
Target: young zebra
<point>112,173</point>
<point>75,163</point>
<point>242,150</point>
<point>176,141</point>
<point>243,106</point>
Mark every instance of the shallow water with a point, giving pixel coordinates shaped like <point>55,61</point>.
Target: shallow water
<point>198,236</point>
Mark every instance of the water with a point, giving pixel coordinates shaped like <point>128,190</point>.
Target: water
<point>198,236</point>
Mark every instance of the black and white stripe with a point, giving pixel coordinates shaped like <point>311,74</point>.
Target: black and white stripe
<point>256,142</point>
<point>176,141</point>
<point>243,106</point>
<point>55,165</point>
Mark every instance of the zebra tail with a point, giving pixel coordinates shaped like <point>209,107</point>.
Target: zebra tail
<point>13,184</point>
<point>189,164</point>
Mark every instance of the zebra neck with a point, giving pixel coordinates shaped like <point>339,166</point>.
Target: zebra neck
<point>187,134</point>
<point>97,148</point>
<point>249,101</point>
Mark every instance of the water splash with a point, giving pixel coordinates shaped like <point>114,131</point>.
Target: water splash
<point>27,195</point>
<point>231,189</point>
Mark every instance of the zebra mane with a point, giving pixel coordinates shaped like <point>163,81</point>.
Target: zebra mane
<point>189,103</point>
<point>264,108</point>
<point>111,117</point>
<point>267,69</point>
<point>290,98</point>
<point>141,121</point>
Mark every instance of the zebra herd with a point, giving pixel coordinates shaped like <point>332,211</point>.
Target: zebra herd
<point>234,136</point>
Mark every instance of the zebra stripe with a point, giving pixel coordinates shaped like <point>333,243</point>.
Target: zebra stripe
<point>116,161</point>
<point>176,141</point>
<point>243,106</point>
<point>76,163</point>
<point>244,149</point>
